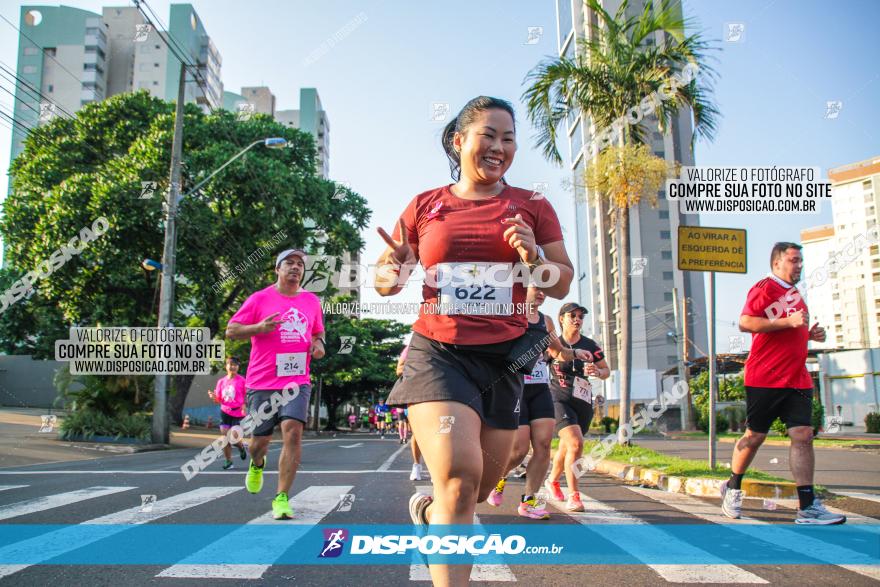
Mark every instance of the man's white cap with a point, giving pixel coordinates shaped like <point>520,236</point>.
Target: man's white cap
<point>285,254</point>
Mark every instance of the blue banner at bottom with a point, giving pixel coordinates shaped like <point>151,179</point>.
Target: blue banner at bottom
<point>372,544</point>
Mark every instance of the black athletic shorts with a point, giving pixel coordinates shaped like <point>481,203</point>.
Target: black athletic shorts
<point>227,420</point>
<point>468,374</point>
<point>764,404</point>
<point>536,403</point>
<point>570,412</point>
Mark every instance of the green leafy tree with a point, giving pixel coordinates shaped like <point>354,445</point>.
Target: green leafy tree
<point>73,171</point>
<point>365,364</point>
<point>615,70</point>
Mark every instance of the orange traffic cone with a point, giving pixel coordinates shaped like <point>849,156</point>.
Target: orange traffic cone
<point>210,422</point>
<point>185,421</point>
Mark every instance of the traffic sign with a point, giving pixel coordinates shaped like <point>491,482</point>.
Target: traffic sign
<point>707,248</point>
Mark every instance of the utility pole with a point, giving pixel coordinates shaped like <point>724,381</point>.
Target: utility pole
<point>166,296</point>
<point>685,354</point>
<point>682,367</point>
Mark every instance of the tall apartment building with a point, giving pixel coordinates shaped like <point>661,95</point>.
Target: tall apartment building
<point>75,57</point>
<point>653,231</point>
<point>850,311</point>
<point>821,296</point>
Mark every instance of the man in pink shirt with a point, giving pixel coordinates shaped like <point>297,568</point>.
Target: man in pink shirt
<point>230,394</point>
<point>286,327</point>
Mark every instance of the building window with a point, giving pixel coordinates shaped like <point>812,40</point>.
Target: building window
<point>664,234</point>
<point>31,51</point>
<point>875,249</point>
<point>866,185</point>
<point>29,69</point>
<point>661,195</point>
<point>869,197</point>
<point>664,214</point>
<point>667,296</point>
<point>671,359</point>
<point>666,255</point>
<point>667,275</point>
<point>51,88</point>
<point>49,51</point>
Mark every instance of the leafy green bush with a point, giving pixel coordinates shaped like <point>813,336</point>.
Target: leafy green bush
<point>88,424</point>
<point>872,423</point>
<point>722,423</point>
<point>817,416</point>
<point>779,426</point>
<point>607,422</point>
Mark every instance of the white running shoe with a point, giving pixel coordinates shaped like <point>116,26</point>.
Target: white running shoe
<point>817,514</point>
<point>416,474</point>
<point>731,501</point>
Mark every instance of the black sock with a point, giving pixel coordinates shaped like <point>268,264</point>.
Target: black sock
<point>805,496</point>
<point>526,498</point>
<point>735,481</point>
<point>260,466</point>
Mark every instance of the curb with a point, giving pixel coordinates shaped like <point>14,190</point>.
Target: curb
<point>119,448</point>
<point>780,442</point>
<point>700,486</point>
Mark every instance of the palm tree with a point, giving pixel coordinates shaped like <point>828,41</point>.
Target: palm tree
<point>615,69</point>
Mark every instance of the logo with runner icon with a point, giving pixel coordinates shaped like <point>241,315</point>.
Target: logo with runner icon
<point>334,541</point>
<point>293,326</point>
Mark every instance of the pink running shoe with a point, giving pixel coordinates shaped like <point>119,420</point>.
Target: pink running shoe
<point>554,489</point>
<point>497,496</point>
<point>531,509</point>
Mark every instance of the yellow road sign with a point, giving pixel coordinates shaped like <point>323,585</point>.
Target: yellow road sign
<point>706,248</point>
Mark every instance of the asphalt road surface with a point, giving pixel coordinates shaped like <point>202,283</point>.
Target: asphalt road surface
<point>108,490</point>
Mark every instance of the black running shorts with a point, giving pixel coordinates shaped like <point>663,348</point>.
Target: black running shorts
<point>435,371</point>
<point>536,403</point>
<point>764,404</point>
<point>571,412</point>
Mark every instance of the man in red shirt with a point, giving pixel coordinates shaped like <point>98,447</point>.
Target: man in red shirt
<point>777,382</point>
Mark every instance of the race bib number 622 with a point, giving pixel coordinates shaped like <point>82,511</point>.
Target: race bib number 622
<point>476,288</point>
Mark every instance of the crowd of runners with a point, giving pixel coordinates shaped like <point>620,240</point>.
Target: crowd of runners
<point>479,387</point>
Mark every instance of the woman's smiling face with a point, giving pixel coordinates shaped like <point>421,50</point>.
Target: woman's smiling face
<point>487,146</point>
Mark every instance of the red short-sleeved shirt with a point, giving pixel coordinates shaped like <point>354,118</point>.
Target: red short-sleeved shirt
<point>449,229</point>
<point>777,358</point>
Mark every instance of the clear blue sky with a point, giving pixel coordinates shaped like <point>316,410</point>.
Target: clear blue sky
<point>379,82</point>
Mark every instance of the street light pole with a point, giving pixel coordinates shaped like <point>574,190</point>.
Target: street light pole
<point>166,295</point>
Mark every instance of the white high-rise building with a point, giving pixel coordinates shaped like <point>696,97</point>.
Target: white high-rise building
<point>818,243</point>
<point>855,201</point>
<point>653,231</point>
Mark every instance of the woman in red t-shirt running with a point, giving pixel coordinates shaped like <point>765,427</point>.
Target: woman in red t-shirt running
<point>478,240</point>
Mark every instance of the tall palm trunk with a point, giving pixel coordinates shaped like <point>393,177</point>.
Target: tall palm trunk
<point>625,313</point>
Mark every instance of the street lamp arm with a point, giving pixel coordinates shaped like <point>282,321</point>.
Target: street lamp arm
<point>221,168</point>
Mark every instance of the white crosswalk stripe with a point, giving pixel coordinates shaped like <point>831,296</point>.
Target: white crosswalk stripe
<point>817,549</point>
<point>309,506</point>
<point>59,542</point>
<point>706,568</point>
<point>420,572</point>
<point>8,487</point>
<point>49,502</point>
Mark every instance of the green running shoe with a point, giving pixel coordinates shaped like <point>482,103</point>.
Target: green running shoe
<point>254,480</point>
<point>280,508</point>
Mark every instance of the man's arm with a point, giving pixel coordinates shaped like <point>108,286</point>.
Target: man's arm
<point>236,330</point>
<point>317,347</point>
<point>756,324</point>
